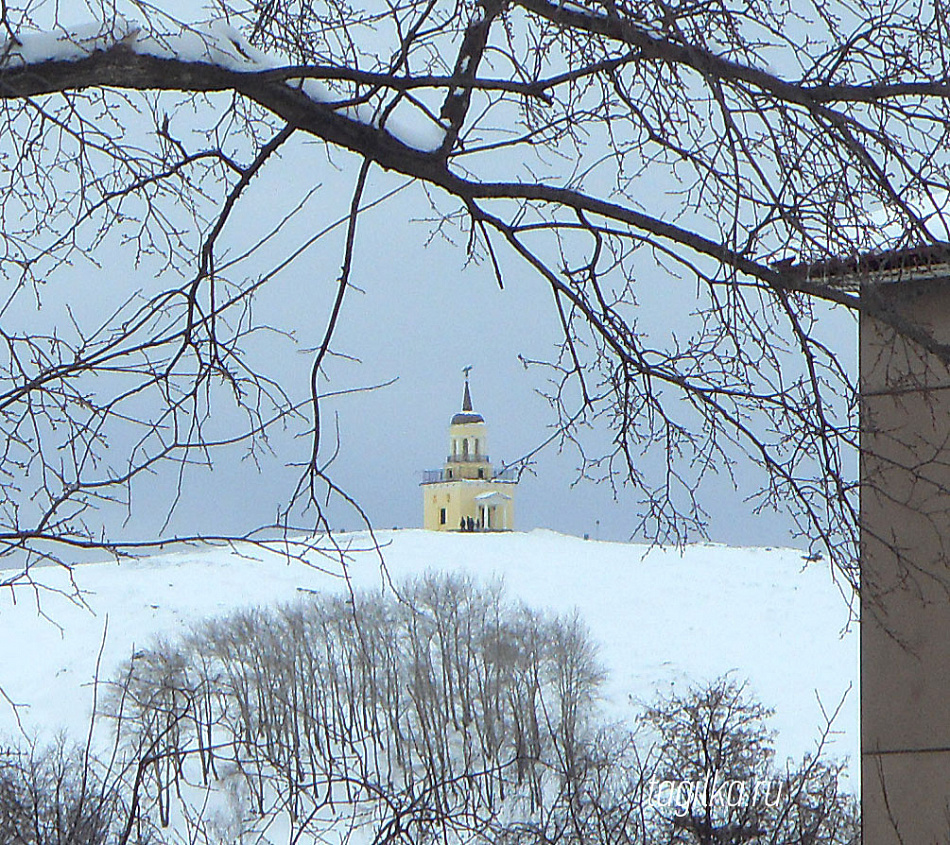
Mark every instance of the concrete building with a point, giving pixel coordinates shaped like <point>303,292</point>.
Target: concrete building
<point>905,541</point>
<point>467,494</point>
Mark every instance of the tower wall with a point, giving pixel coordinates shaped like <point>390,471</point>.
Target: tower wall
<point>474,436</point>
<point>458,499</point>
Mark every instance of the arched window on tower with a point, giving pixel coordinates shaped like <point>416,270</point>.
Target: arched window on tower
<point>465,449</point>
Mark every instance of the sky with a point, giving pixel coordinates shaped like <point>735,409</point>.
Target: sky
<point>421,314</point>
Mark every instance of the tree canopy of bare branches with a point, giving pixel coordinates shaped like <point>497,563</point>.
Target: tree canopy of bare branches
<point>694,154</point>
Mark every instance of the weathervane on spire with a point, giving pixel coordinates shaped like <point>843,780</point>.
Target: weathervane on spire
<point>467,370</point>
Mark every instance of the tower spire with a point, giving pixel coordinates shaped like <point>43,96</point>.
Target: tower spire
<point>467,398</point>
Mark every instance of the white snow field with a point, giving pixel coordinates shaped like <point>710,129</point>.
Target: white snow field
<point>660,617</point>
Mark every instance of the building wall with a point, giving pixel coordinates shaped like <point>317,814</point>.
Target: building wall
<point>458,499</point>
<point>905,577</point>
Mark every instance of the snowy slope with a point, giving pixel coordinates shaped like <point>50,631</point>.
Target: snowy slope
<point>660,617</point>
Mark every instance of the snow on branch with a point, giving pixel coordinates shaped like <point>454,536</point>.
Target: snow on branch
<point>66,45</point>
<point>217,45</point>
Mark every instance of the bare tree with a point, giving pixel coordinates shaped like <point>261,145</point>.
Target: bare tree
<point>716,779</point>
<point>53,796</point>
<point>702,153</point>
<point>449,711</point>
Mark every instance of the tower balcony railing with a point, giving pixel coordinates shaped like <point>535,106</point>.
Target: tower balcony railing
<point>508,475</point>
<point>468,459</point>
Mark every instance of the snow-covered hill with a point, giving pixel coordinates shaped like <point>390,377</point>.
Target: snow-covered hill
<point>660,618</point>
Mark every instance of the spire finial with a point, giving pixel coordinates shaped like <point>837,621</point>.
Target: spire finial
<point>467,398</point>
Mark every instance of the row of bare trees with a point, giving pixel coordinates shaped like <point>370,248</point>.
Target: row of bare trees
<point>420,715</point>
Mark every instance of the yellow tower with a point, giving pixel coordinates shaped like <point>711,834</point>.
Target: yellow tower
<point>466,494</point>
